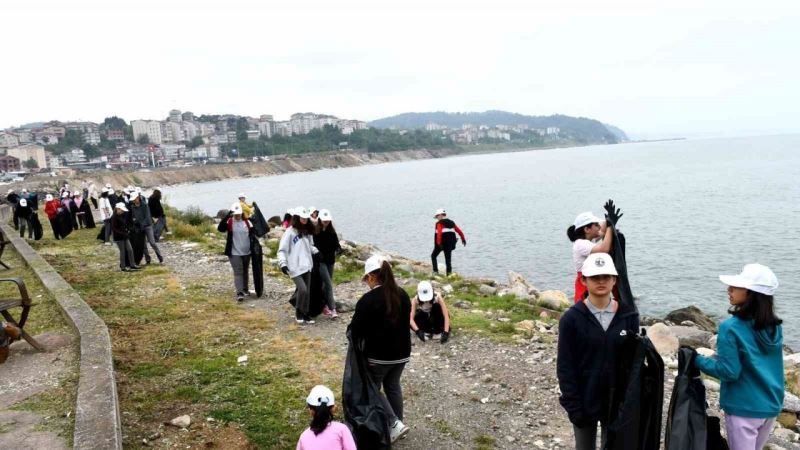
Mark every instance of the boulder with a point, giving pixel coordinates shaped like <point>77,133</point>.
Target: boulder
<point>517,284</point>
<point>662,338</point>
<point>791,360</point>
<point>788,420</point>
<point>647,321</point>
<point>345,305</point>
<point>463,304</point>
<point>552,299</point>
<point>792,376</point>
<point>405,268</point>
<point>694,315</point>
<point>693,337</point>
<point>528,327</point>
<point>181,421</point>
<point>711,385</point>
<point>485,289</point>
<point>791,402</point>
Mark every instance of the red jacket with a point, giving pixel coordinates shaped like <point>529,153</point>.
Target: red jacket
<point>51,208</point>
<point>448,226</point>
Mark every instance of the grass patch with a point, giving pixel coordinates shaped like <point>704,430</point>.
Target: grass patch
<point>484,442</point>
<point>176,344</point>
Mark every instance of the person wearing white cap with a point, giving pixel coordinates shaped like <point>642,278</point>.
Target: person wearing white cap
<point>429,314</point>
<point>143,223</point>
<point>238,247</point>
<point>749,359</point>
<point>313,213</point>
<point>23,214</point>
<point>51,207</point>
<point>381,321</point>
<point>295,258</point>
<point>157,213</point>
<point>327,242</point>
<point>589,341</point>
<point>444,240</point>
<point>77,205</point>
<point>247,209</point>
<point>120,228</point>
<point>324,433</point>
<point>106,213</point>
<point>586,233</point>
<point>13,199</point>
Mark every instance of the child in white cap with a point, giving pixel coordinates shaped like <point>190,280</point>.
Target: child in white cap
<point>588,234</point>
<point>429,313</point>
<point>324,433</point>
<point>589,339</point>
<point>749,360</point>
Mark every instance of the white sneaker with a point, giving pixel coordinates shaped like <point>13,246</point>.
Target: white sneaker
<point>398,431</point>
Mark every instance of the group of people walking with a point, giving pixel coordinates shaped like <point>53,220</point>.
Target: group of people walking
<point>748,360</point>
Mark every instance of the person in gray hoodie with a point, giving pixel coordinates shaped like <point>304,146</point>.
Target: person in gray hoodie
<point>144,222</point>
<point>295,257</point>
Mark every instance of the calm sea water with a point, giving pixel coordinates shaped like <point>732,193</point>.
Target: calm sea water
<point>693,209</point>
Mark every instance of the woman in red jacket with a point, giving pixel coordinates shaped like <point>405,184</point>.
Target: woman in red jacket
<point>51,208</point>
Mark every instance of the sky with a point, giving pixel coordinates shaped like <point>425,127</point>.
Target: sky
<point>653,68</point>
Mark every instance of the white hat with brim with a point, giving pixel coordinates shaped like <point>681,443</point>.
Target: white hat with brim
<point>65,194</point>
<point>302,213</point>
<point>598,264</point>
<point>121,206</point>
<point>48,197</point>
<point>585,218</point>
<point>320,394</point>
<point>241,195</point>
<point>755,277</point>
<point>425,291</point>
<point>236,208</point>
<point>325,215</point>
<point>372,264</point>
<point>23,202</point>
<point>440,212</point>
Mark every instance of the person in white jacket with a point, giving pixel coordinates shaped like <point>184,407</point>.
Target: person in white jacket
<point>295,256</point>
<point>106,213</point>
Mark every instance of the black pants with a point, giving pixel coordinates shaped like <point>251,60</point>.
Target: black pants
<point>433,322</point>
<point>54,224</point>
<point>388,376</point>
<point>447,253</point>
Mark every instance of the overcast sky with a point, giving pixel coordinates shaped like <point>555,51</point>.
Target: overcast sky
<point>653,68</point>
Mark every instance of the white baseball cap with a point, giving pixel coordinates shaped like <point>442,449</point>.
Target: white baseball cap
<point>23,202</point>
<point>425,291</point>
<point>48,197</point>
<point>108,185</point>
<point>65,194</point>
<point>302,213</point>
<point>324,214</point>
<point>320,394</point>
<point>440,211</point>
<point>241,195</point>
<point>598,264</point>
<point>121,205</point>
<point>236,208</point>
<point>78,194</point>
<point>372,264</point>
<point>585,218</point>
<point>24,189</point>
<point>755,277</point>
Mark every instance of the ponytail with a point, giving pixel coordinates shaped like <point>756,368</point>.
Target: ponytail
<point>574,234</point>
<point>571,233</point>
<point>391,293</point>
<point>322,417</point>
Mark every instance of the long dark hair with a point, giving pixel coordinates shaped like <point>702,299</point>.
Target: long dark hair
<point>322,417</point>
<point>391,293</point>
<point>580,233</point>
<point>308,228</point>
<point>759,308</point>
<point>328,229</point>
<point>156,195</point>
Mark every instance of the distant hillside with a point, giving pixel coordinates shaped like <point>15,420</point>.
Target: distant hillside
<point>579,127</point>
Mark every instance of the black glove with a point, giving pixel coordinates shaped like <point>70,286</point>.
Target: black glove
<point>285,270</point>
<point>464,242</point>
<point>613,214</point>
<point>420,335</point>
<point>445,337</point>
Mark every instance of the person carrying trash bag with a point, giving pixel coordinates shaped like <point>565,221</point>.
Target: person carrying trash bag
<point>749,360</point>
<point>589,340</point>
<point>241,244</point>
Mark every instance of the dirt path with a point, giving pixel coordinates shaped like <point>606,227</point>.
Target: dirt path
<point>469,393</point>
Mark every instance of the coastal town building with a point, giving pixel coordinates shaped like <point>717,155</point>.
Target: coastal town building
<point>9,164</point>
<point>74,156</point>
<point>91,137</point>
<point>29,151</point>
<point>114,134</point>
<point>8,139</point>
<point>175,116</point>
<point>149,128</point>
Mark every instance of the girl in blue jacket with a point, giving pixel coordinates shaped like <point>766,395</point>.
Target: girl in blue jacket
<point>749,360</point>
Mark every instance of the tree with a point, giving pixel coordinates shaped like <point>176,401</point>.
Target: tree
<point>91,151</point>
<point>196,141</point>
<point>115,123</point>
<point>31,164</point>
<point>143,139</point>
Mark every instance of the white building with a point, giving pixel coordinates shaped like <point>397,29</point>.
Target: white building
<point>283,129</point>
<point>74,156</point>
<point>175,115</point>
<point>173,151</point>
<point>253,134</point>
<point>189,130</point>
<point>92,137</point>
<point>149,128</point>
<point>28,151</point>
<point>435,127</point>
<point>206,129</point>
<point>553,130</point>
<point>8,140</point>
<point>498,134</point>
<point>266,127</point>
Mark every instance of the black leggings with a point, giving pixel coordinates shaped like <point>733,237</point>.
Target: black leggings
<point>447,253</point>
<point>433,322</point>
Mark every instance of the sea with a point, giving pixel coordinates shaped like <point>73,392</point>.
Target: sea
<point>692,210</point>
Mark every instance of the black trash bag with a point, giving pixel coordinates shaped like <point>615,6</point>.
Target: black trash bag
<point>622,289</point>
<point>257,263</point>
<point>714,439</point>
<point>686,422</point>
<point>64,222</point>
<point>317,299</point>
<point>38,232</point>
<point>88,218</point>
<point>363,409</point>
<point>138,242</point>
<point>260,225</point>
<point>637,396</point>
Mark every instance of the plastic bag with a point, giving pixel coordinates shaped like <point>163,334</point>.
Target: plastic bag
<point>363,410</point>
<point>686,423</point>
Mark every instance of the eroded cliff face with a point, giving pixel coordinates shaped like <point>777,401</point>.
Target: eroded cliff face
<point>213,172</point>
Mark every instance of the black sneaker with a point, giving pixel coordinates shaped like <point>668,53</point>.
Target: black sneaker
<point>160,259</point>
<point>307,319</point>
<point>298,317</point>
<point>147,261</point>
<point>239,297</point>
<point>134,268</point>
<point>125,269</point>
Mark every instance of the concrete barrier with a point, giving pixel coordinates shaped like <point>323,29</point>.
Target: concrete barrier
<point>97,417</point>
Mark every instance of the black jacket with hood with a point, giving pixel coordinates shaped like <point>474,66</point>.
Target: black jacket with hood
<point>587,360</point>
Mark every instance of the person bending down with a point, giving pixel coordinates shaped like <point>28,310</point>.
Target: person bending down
<point>429,313</point>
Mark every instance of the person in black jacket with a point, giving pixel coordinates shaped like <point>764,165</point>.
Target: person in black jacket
<point>157,213</point>
<point>381,322</point>
<point>589,337</point>
<point>22,215</point>
<point>238,247</point>
<point>120,228</point>
<point>444,240</point>
<point>327,242</point>
<point>13,199</point>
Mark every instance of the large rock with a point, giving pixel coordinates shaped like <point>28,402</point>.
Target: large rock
<point>791,360</point>
<point>485,289</point>
<point>788,420</point>
<point>693,337</point>
<point>791,402</point>
<point>528,327</point>
<point>520,287</point>
<point>554,300</point>
<point>662,338</point>
<point>695,315</point>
